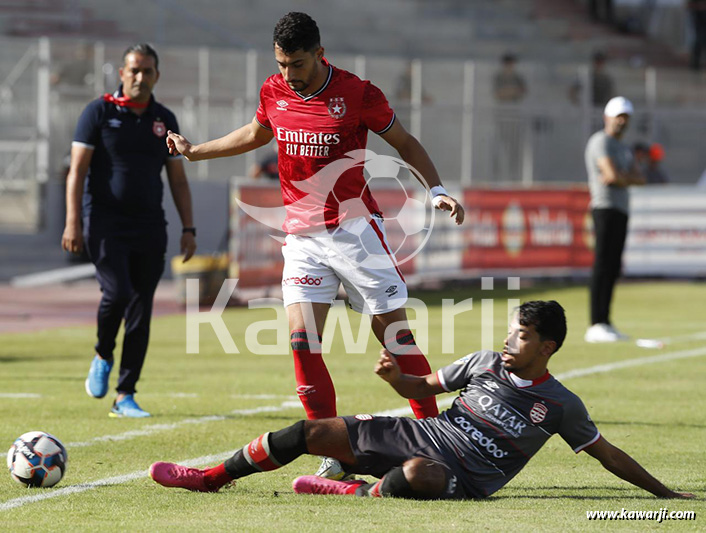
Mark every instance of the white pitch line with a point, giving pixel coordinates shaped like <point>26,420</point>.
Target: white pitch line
<point>19,395</point>
<point>138,474</point>
<point>57,275</point>
<point>696,352</point>
<point>701,335</point>
<point>156,428</point>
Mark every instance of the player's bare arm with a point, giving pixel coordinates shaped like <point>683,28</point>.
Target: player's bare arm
<point>244,139</point>
<point>625,467</point>
<point>181,193</point>
<point>72,239</point>
<point>413,153</point>
<point>407,386</point>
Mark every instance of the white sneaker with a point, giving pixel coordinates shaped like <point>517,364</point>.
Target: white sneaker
<point>331,469</point>
<point>621,336</point>
<point>601,333</point>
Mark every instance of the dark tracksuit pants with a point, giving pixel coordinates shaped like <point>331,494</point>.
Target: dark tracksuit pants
<point>610,226</point>
<point>129,263</point>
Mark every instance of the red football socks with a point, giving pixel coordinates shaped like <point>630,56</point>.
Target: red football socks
<point>412,361</point>
<point>217,476</point>
<point>314,385</point>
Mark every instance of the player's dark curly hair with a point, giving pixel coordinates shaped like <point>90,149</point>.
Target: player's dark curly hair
<point>548,318</point>
<point>296,31</point>
<point>144,49</point>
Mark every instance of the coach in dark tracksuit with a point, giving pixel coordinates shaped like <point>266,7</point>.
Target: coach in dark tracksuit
<point>117,157</point>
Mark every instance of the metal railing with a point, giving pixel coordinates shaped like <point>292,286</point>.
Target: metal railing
<point>448,105</point>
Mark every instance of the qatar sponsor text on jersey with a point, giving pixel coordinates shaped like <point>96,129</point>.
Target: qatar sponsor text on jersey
<point>499,421</point>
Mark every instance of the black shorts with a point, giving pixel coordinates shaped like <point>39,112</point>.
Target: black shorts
<point>381,443</point>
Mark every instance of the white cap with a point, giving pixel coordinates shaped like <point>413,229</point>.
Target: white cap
<point>618,106</point>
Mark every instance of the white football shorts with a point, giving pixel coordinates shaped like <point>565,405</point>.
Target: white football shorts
<point>355,254</point>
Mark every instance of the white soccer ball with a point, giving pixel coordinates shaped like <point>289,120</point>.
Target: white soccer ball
<point>37,459</point>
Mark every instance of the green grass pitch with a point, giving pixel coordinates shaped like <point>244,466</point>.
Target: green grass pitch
<point>213,402</point>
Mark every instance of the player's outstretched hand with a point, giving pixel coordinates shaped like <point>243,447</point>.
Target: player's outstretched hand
<point>447,203</point>
<point>178,144</point>
<point>387,368</point>
<point>683,495</point>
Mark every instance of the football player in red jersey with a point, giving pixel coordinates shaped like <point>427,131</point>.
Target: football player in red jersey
<point>320,116</point>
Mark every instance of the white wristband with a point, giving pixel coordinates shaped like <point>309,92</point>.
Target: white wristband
<point>435,192</point>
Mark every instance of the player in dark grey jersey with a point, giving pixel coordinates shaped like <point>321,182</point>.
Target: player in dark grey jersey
<point>508,407</point>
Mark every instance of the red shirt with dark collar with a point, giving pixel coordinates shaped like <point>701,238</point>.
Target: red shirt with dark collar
<point>321,138</point>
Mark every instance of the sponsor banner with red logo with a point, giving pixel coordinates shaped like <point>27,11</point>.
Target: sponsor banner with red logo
<point>527,229</point>
<point>524,231</point>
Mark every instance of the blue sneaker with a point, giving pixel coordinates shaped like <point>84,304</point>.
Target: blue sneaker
<point>127,408</point>
<point>97,380</point>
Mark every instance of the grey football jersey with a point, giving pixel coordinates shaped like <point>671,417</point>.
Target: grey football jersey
<point>496,425</point>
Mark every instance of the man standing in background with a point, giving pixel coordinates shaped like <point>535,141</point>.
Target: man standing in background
<point>114,208</point>
<point>611,169</point>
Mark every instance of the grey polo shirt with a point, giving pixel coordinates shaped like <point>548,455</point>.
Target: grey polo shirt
<point>607,196</point>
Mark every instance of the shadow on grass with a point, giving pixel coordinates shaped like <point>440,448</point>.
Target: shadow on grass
<point>49,357</point>
<point>570,493</point>
<point>647,424</point>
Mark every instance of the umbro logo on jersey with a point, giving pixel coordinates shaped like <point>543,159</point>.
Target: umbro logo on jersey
<point>463,359</point>
<point>391,290</point>
<point>491,386</point>
<point>114,122</point>
<point>282,105</point>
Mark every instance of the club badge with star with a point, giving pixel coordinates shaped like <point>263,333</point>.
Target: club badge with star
<point>336,107</point>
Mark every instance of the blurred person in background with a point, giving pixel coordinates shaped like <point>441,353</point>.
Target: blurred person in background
<point>602,84</point>
<point>611,169</point>
<point>649,160</point>
<point>403,86</point>
<point>509,89</point>
<point>508,84</point>
<point>641,152</point>
<point>697,15</point>
<point>601,10</point>
<point>114,209</point>
<point>267,167</point>
<point>75,73</point>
